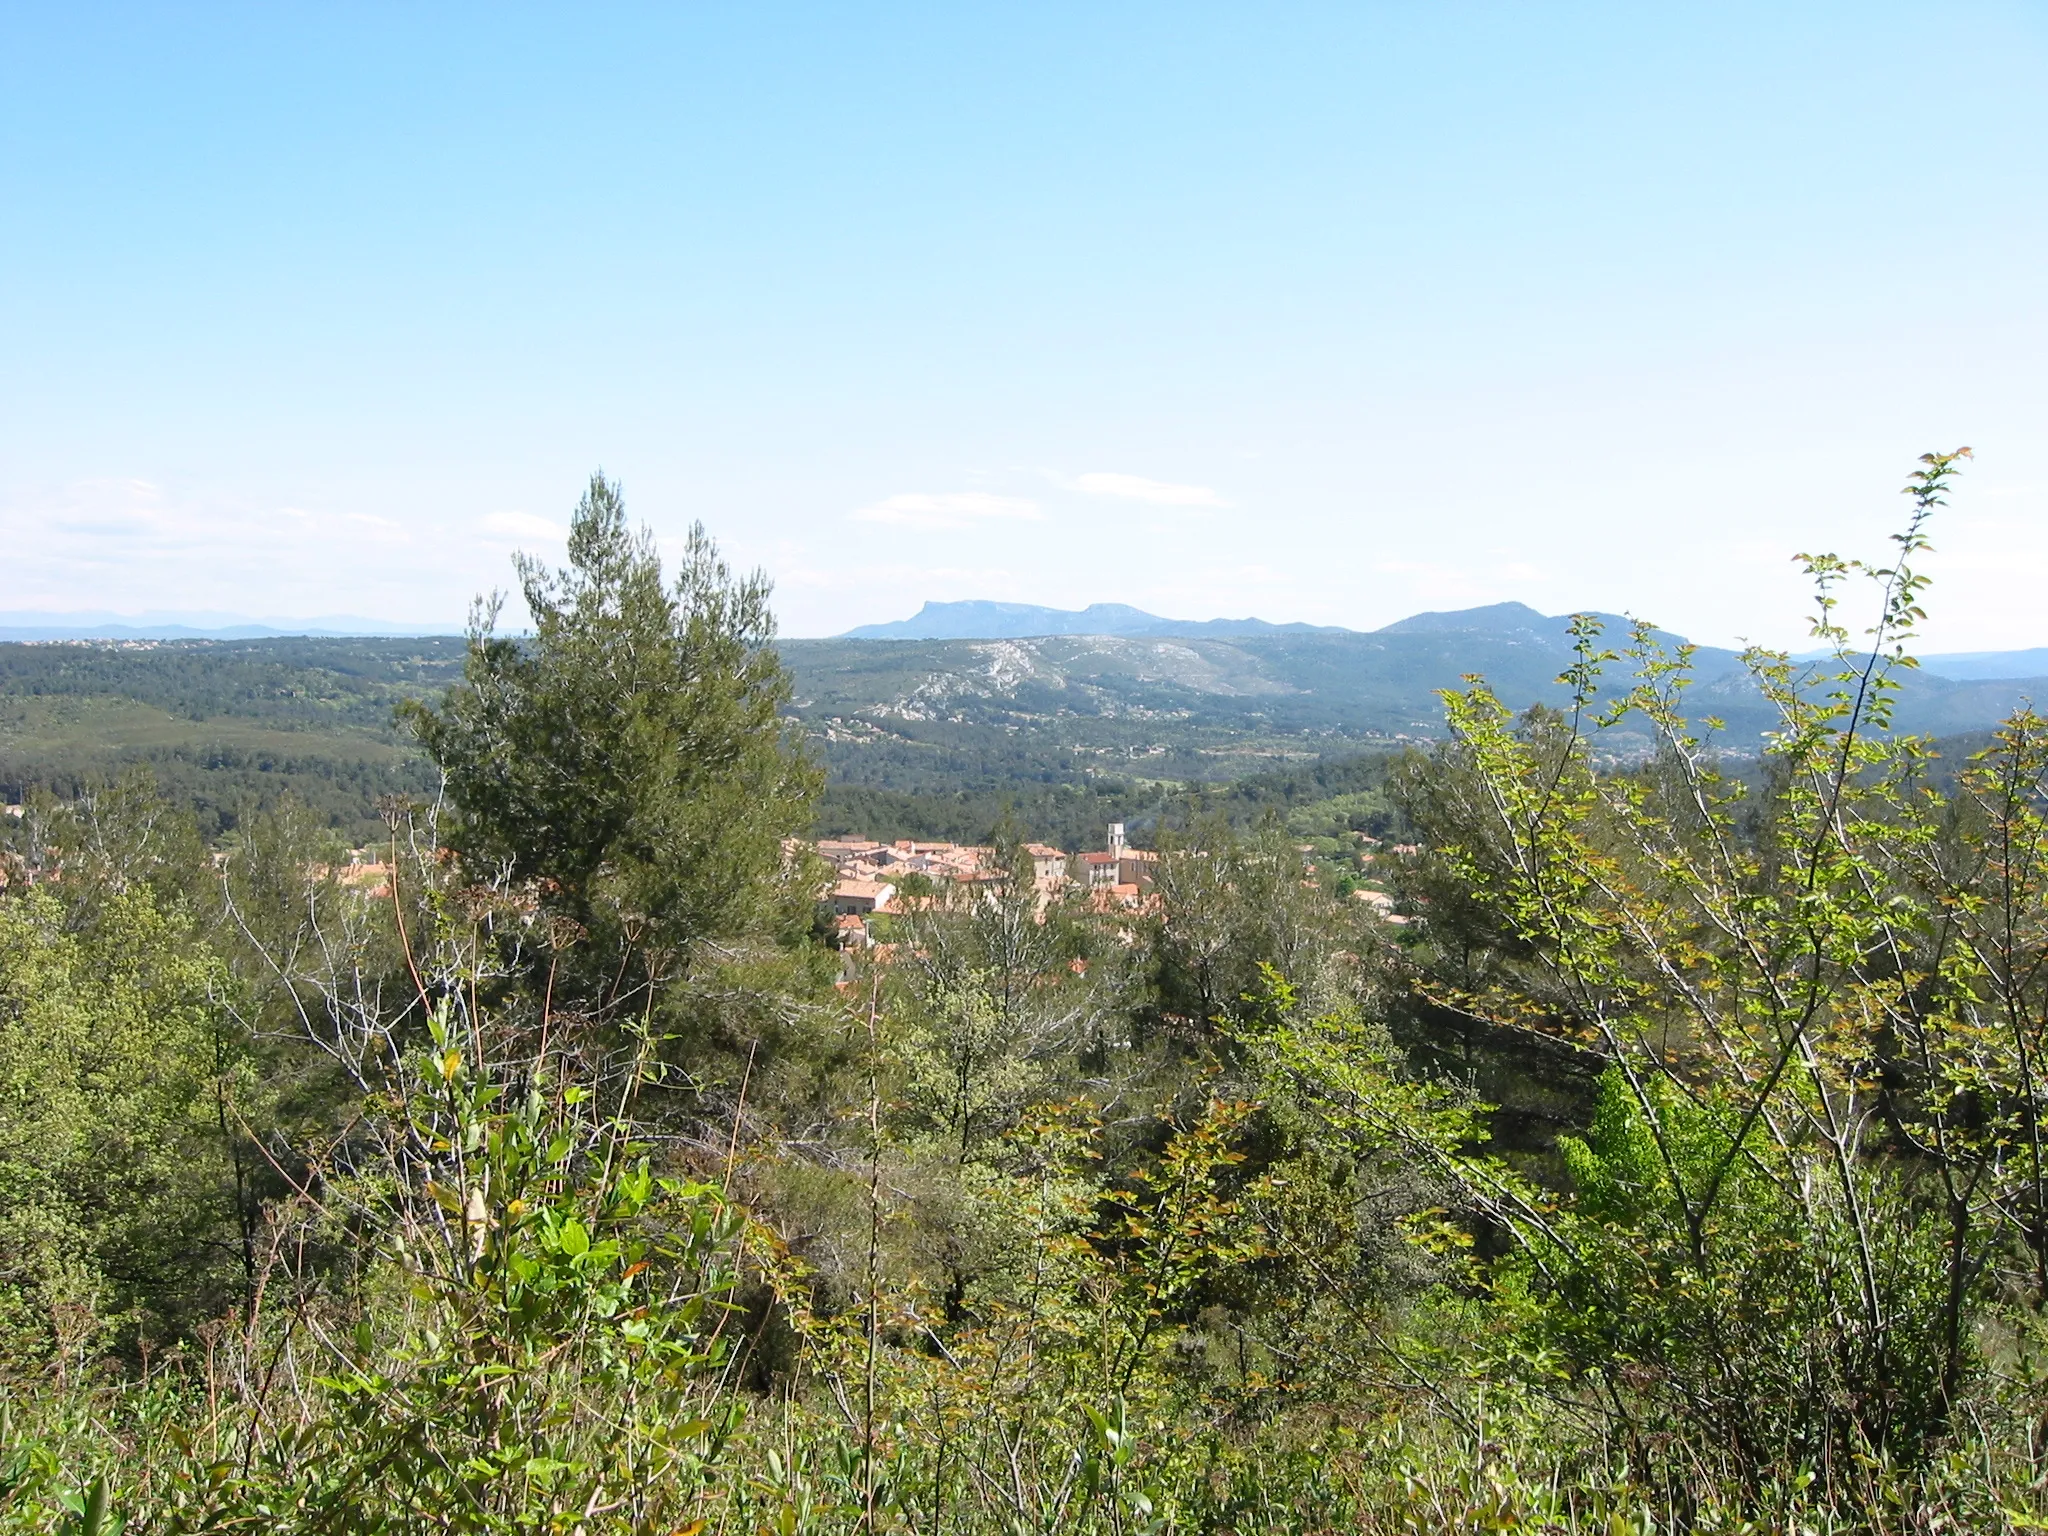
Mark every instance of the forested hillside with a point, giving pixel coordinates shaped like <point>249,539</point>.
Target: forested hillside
<point>902,714</point>
<point>1311,800</point>
<point>1656,1153</point>
<point>917,738</point>
<point>225,727</point>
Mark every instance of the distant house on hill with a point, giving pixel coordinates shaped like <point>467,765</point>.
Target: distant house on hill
<point>1099,870</point>
<point>1119,864</point>
<point>1381,903</point>
<point>1112,898</point>
<point>1048,865</point>
<point>362,875</point>
<point>368,877</point>
<point>843,850</point>
<point>860,897</point>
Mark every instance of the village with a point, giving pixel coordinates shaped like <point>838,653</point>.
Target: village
<point>873,879</point>
<point>870,879</point>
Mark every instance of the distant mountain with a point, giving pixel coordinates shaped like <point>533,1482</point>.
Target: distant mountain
<point>1515,622</point>
<point>1179,704</point>
<point>1493,619</point>
<point>1021,621</point>
<point>1055,716</point>
<point>1988,666</point>
<point>1029,621</point>
<point>1204,690</point>
<point>1510,622</point>
<point>198,626</point>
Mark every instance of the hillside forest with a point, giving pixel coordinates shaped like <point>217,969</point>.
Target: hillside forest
<point>498,1133</point>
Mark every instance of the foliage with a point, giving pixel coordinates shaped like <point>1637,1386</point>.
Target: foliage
<point>1785,1197</point>
<point>121,1071</point>
<point>1227,907</point>
<point>562,1309</point>
<point>559,1175</point>
<point>225,727</point>
<point>629,757</point>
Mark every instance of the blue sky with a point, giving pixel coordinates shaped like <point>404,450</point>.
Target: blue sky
<point>1315,312</point>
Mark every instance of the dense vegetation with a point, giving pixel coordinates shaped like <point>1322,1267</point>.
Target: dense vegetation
<point>1679,1168</point>
<point>225,727</point>
<point>930,739</point>
<point>228,728</point>
<point>923,715</point>
<point>1322,800</point>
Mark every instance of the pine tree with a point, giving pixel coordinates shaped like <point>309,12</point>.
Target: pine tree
<point>628,758</point>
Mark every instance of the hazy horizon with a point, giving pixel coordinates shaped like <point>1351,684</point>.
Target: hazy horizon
<point>352,626</point>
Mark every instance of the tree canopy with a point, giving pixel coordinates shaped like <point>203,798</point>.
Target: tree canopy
<point>627,757</point>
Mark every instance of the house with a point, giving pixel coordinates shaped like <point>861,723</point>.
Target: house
<point>860,897</point>
<point>963,869</point>
<point>959,861</point>
<point>1121,898</point>
<point>366,877</point>
<point>363,874</point>
<point>1382,905</point>
<point>1099,870</point>
<point>1137,866</point>
<point>841,851</point>
<point>1048,865</point>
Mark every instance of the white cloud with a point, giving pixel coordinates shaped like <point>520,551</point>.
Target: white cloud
<point>1160,493</point>
<point>524,525</point>
<point>131,546</point>
<point>955,509</point>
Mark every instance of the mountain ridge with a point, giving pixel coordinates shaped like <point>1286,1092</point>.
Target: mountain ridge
<point>978,619</point>
<point>32,625</point>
